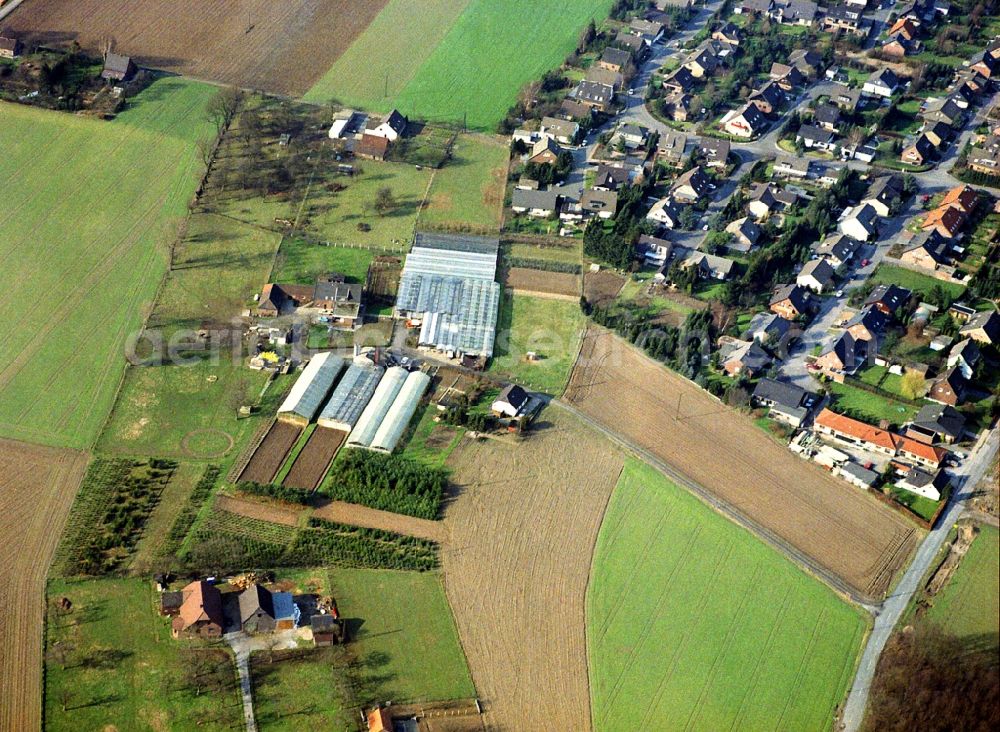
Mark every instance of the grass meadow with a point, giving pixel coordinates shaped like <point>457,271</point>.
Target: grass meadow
<point>550,328</point>
<point>467,193</point>
<point>922,284</point>
<point>969,605</point>
<point>693,623</point>
<point>89,210</point>
<point>111,664</point>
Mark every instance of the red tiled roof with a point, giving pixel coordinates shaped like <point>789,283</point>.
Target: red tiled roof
<point>962,197</point>
<point>948,217</point>
<point>857,430</point>
<point>921,450</point>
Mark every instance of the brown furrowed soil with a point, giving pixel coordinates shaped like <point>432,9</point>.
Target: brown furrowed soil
<point>522,531</point>
<point>271,453</point>
<point>312,463</point>
<point>282,47</point>
<point>602,287</point>
<point>37,487</point>
<point>524,281</point>
<point>823,521</point>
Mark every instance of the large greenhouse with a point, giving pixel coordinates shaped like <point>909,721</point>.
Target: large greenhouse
<point>311,388</point>
<point>403,407</point>
<point>370,420</point>
<point>351,396</point>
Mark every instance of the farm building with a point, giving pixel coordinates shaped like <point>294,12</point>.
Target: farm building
<point>118,68</point>
<point>449,285</point>
<point>350,397</point>
<point>200,613</point>
<point>263,611</point>
<point>401,412</point>
<point>311,389</point>
<point>371,419</point>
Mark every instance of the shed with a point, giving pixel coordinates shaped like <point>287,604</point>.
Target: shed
<point>327,630</point>
<point>310,390</point>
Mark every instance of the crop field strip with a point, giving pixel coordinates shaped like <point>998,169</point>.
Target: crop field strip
<point>312,463</point>
<point>277,47</point>
<point>859,542</point>
<point>522,529</point>
<point>37,486</point>
<point>692,618</point>
<point>267,459</point>
<point>120,190</point>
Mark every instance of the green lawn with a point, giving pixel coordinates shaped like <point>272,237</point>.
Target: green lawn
<point>301,689</point>
<point>403,634</point>
<point>493,49</point>
<point>89,211</point>
<point>867,406</point>
<point>919,283</point>
<point>550,328</point>
<point>571,254</point>
<point>431,442</point>
<point>693,620</point>
<point>300,262</point>
<point>121,669</point>
<point>372,72</point>
<point>969,604</point>
<point>467,193</point>
<point>923,507</point>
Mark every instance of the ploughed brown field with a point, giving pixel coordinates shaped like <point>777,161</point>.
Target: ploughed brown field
<point>281,47</point>
<point>266,460</point>
<point>522,530</point>
<point>312,462</point>
<point>539,282</point>
<point>37,487</point>
<point>833,525</point>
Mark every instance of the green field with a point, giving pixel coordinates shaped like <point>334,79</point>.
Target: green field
<point>692,623</point>
<point>120,669</point>
<point>467,193</point>
<point>867,406</point>
<point>550,328</point>
<point>969,605</point>
<point>372,72</point>
<point>919,283</point>
<point>89,210</point>
<point>475,73</point>
<point>301,689</point>
<point>300,262</point>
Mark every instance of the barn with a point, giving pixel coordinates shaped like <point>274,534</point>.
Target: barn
<point>449,286</point>
<point>311,389</point>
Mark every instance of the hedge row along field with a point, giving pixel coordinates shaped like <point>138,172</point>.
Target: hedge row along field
<point>89,208</point>
<point>471,57</point>
<point>690,618</point>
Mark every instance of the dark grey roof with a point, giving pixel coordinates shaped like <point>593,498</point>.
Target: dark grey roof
<point>254,598</point>
<point>871,318</point>
<point>514,395</point>
<point>779,392</point>
<point>941,419</point>
<point>827,114</point>
<point>815,134</point>
<point>616,56</point>
<point>869,477</point>
<point>798,295</point>
<point>891,296</point>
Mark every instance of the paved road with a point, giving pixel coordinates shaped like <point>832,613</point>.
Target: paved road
<point>965,479</point>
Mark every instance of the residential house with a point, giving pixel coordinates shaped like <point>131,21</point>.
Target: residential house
<point>510,402</point>
<point>827,174</point>
<point>795,12</point>
<point>838,249</point>
<point>612,177</point>
<point>881,83</point>
<point>962,197</point>
<point>807,61</point>
<point>964,354</point>
<point>888,299</point>
<point>728,33</point>
<point>649,31</point>
<point>919,151</point>
<point>937,423</point>
<point>703,62</point>
<point>905,26</point>
<point>670,148</point>
<point>653,251</point>
<point>561,130</point>
<point>602,204</point>
<point>847,99</point>
<point>745,122</point>
<point>928,456</point>
<point>689,187</point>
<point>392,126</point>
<point>339,300</point>
<point>787,77</point>
<point>537,204</point>
<point>859,222</point>
<point>545,152</point>
<point>898,46</point>
<point>263,611</point>
<point>815,137</point>
<point>200,613</point>
<point>573,110</point>
<point>118,67</point>
<point>745,233</point>
<point>666,212</point>
<point>948,388</point>
<point>280,299</point>
<point>632,43</point>
<point>615,59</point>
<point>840,18</point>
<point>10,47</point>
<point>786,401</point>
<point>767,198</point>
<point>844,356</point>
<point>597,75</point>
<point>753,7</point>
<point>768,98</point>
<point>927,250</point>
<point>372,147</point>
<point>787,166</point>
<point>709,265</point>
<point>790,301</point>
<point>632,137</point>
<point>866,325</point>
<point>744,358</point>
<point>715,151</point>
<point>983,160</point>
<point>827,117</point>
<point>947,221</point>
<point>769,329</point>
<point>945,110</point>
<point>983,327</point>
<point>680,80</point>
<point>595,95</point>
<point>923,483</point>
<point>885,194</point>
<point>855,432</point>
<point>817,275</point>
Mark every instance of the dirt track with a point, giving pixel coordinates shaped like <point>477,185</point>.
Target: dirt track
<point>522,533</point>
<point>37,487</point>
<point>282,47</point>
<point>835,525</point>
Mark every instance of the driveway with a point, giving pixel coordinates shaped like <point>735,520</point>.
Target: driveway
<point>243,645</point>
